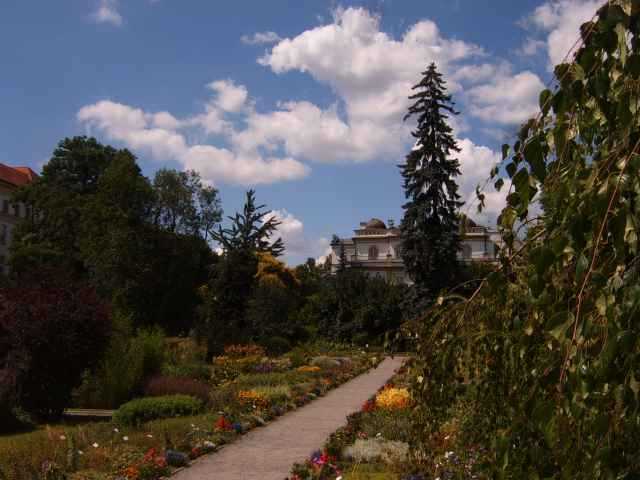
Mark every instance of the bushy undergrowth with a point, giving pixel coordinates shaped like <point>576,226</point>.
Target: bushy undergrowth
<point>48,336</point>
<point>129,360</point>
<point>143,410</point>
<point>161,385</point>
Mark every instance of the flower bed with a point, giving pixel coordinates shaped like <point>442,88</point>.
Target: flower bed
<point>373,445</point>
<point>147,450</point>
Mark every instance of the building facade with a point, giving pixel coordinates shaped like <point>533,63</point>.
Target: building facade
<point>375,249</point>
<point>11,178</point>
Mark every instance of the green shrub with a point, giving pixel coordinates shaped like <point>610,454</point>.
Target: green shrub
<point>198,371</point>
<point>299,357</point>
<point>129,360</point>
<point>145,409</point>
<point>276,346</point>
<point>251,380</point>
<point>274,394</point>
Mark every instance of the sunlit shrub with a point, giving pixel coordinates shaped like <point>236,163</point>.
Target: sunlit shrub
<point>393,398</point>
<point>145,409</point>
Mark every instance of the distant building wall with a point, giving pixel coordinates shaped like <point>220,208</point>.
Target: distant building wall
<point>11,178</point>
<point>376,249</point>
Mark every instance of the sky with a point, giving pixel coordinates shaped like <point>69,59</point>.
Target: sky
<point>302,100</point>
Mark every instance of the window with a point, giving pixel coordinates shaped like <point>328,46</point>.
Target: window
<point>5,206</point>
<point>466,252</point>
<point>4,234</point>
<point>16,209</point>
<point>373,253</point>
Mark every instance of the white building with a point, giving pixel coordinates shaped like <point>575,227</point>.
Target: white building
<point>11,178</point>
<point>375,249</point>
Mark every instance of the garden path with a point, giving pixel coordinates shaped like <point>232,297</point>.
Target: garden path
<point>268,453</point>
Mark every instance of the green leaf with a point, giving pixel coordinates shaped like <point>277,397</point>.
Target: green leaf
<point>559,332</point>
<point>581,267</point>
<point>499,183</point>
<point>534,155</point>
<point>634,385</point>
<point>545,101</point>
<point>511,169</point>
<point>505,151</point>
<point>621,31</point>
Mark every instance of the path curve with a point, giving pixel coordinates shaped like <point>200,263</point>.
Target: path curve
<point>268,453</point>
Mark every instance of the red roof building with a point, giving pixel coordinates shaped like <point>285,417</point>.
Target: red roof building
<point>11,178</point>
<point>16,176</point>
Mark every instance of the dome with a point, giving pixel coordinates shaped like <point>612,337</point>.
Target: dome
<point>376,223</point>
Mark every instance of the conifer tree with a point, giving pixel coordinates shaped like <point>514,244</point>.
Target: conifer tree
<point>430,230</point>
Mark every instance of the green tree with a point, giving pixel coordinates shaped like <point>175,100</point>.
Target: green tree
<point>429,227</point>
<point>251,230</point>
<point>97,216</point>
<point>184,205</point>
<point>233,280</point>
<point>52,232</point>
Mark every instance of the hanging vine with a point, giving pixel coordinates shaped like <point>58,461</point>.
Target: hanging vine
<point>546,353</point>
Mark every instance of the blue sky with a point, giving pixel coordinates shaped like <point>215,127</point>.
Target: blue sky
<point>302,100</point>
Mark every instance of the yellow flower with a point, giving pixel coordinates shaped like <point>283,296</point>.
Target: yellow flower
<point>309,368</point>
<point>393,398</point>
<point>252,397</point>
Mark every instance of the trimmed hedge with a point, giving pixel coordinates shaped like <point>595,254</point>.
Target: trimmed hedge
<point>145,409</point>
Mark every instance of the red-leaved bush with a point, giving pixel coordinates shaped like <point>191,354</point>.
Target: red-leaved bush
<point>48,337</point>
<point>162,385</point>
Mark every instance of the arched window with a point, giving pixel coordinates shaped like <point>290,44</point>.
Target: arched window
<point>373,253</point>
<point>466,252</point>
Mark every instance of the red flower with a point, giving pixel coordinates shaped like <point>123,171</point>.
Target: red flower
<point>369,406</point>
<point>148,457</point>
<point>222,424</point>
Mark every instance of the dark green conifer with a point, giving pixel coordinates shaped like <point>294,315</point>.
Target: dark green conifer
<point>430,226</point>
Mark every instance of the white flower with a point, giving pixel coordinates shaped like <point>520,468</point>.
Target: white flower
<point>80,452</point>
<point>95,445</point>
<point>125,438</point>
<point>62,437</point>
<point>378,435</point>
<point>149,435</point>
<point>116,430</point>
<point>193,426</point>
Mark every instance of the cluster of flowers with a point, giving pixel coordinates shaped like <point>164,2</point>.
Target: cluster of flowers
<point>201,449</point>
<point>308,368</point>
<point>223,424</point>
<point>251,397</point>
<point>368,406</point>
<point>321,465</point>
<point>237,351</point>
<point>391,398</point>
<point>152,466</point>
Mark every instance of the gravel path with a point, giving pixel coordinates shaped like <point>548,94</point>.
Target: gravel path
<point>267,453</point>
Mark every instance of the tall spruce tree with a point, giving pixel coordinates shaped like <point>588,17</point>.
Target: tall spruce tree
<point>430,230</point>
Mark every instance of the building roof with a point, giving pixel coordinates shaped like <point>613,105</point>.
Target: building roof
<point>17,176</point>
<point>375,223</point>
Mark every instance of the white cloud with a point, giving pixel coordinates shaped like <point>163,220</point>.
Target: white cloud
<point>561,20</point>
<point>156,134</point>
<point>230,97</point>
<point>296,242</point>
<point>508,99</point>
<point>260,38</point>
<point>369,70</point>
<point>476,162</point>
<point>531,47</point>
<point>107,12</point>
<point>371,73</point>
<point>291,230</point>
